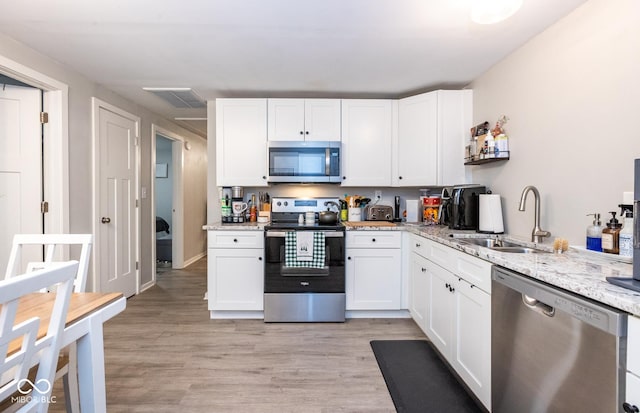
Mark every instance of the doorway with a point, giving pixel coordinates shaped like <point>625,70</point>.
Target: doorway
<point>167,200</point>
<point>164,202</point>
<point>21,172</point>
<point>116,212</point>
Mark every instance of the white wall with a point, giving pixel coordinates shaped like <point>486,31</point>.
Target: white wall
<point>81,90</point>
<point>572,95</point>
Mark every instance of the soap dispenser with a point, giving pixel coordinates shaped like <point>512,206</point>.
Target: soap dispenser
<point>626,235</point>
<point>611,235</point>
<point>594,234</point>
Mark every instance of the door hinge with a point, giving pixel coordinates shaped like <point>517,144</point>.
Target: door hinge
<point>137,265</point>
<point>136,141</point>
<point>137,203</point>
<point>44,117</point>
<point>44,207</point>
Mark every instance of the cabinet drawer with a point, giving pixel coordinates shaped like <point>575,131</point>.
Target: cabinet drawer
<point>472,269</point>
<point>440,254</point>
<point>419,245</point>
<point>236,239</point>
<point>633,345</point>
<point>374,239</point>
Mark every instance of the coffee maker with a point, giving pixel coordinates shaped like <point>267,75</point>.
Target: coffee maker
<point>463,206</point>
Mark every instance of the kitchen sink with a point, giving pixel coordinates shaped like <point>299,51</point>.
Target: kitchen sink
<point>518,250</point>
<point>501,245</point>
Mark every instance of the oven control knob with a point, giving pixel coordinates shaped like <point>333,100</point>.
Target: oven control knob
<point>628,408</point>
<point>286,203</point>
<point>279,203</point>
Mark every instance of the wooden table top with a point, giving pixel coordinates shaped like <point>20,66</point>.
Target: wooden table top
<point>41,304</point>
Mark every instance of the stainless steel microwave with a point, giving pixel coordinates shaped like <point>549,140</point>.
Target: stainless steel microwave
<point>304,161</point>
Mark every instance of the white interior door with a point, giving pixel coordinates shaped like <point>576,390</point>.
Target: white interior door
<point>117,217</point>
<point>20,168</point>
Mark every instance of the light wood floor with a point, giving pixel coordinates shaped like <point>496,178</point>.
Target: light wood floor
<point>164,354</point>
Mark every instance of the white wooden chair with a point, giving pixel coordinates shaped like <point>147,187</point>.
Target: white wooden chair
<point>53,244</point>
<point>42,352</point>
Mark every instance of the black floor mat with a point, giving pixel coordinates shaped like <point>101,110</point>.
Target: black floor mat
<point>418,380</point>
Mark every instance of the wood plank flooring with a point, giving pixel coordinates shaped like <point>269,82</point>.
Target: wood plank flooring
<point>164,354</point>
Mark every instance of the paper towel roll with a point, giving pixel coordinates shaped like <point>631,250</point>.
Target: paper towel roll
<point>413,210</point>
<point>491,214</point>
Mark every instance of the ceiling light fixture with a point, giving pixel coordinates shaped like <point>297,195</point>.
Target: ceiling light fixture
<point>493,11</point>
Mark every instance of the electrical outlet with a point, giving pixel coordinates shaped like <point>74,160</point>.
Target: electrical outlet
<point>378,195</point>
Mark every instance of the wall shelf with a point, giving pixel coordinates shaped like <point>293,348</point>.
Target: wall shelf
<point>469,161</point>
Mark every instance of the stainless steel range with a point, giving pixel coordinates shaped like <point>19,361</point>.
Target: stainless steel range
<point>304,263</point>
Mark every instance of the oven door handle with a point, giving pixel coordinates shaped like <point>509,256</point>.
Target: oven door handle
<point>282,234</point>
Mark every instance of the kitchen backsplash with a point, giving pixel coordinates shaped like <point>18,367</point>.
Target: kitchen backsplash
<point>321,190</point>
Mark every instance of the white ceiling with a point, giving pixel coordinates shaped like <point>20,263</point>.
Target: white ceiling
<point>261,48</point>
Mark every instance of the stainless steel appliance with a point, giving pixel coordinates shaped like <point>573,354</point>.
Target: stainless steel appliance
<point>463,206</point>
<point>553,351</point>
<point>378,213</point>
<point>304,161</point>
<point>633,283</point>
<point>293,294</point>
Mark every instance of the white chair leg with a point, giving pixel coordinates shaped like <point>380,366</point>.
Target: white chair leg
<point>70,382</point>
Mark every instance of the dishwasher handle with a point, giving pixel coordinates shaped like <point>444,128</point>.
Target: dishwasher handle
<point>538,306</point>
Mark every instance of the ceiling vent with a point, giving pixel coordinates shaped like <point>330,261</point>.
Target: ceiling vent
<point>184,98</point>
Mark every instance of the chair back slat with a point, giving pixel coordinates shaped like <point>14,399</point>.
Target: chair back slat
<point>53,244</point>
<point>32,350</point>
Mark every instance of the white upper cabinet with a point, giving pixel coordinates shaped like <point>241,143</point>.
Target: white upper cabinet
<point>433,130</point>
<point>241,142</point>
<point>304,119</point>
<point>417,139</point>
<point>367,133</point>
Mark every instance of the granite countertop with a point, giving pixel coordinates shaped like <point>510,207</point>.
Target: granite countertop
<point>245,226</point>
<point>579,271</point>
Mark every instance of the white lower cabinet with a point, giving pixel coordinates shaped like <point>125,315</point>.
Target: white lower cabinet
<point>419,290</point>
<point>235,275</point>
<point>373,270</point>
<point>471,357</point>
<point>441,307</point>
<point>456,313</point>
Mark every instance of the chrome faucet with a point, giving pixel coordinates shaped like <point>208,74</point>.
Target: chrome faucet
<point>537,234</point>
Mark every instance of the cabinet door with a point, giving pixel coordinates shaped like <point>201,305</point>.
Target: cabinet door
<point>286,119</point>
<point>416,160</point>
<point>441,307</point>
<point>322,120</point>
<point>235,279</point>
<point>419,290</point>
<point>367,131</point>
<point>471,356</point>
<point>373,279</point>
<point>454,123</point>
<point>632,395</point>
<point>241,142</point>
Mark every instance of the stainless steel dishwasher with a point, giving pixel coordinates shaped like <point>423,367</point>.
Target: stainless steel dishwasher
<point>553,351</point>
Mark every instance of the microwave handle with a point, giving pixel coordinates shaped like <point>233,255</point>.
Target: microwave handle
<point>327,162</point>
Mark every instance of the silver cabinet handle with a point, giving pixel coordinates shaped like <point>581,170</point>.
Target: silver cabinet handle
<point>106,220</point>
